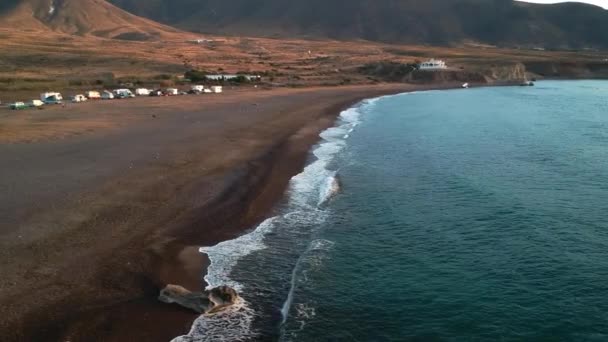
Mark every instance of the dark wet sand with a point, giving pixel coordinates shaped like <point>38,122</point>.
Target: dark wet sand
<point>95,220</point>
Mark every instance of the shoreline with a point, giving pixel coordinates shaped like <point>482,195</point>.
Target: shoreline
<point>247,196</point>
<point>331,116</point>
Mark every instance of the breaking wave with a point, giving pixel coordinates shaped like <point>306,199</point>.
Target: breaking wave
<point>225,255</point>
<point>232,324</point>
<point>310,261</point>
<point>311,258</point>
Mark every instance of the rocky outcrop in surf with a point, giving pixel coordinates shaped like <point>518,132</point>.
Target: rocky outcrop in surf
<point>329,190</point>
<point>210,301</point>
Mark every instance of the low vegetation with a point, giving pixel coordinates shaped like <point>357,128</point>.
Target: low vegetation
<point>388,70</point>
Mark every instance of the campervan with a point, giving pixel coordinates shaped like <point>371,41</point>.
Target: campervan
<point>198,88</point>
<point>51,97</point>
<point>106,95</point>
<point>79,98</point>
<point>172,91</point>
<point>142,92</point>
<point>123,93</point>
<point>35,103</point>
<point>93,95</point>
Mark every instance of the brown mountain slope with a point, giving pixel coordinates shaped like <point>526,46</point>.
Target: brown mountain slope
<point>443,22</point>
<point>80,17</point>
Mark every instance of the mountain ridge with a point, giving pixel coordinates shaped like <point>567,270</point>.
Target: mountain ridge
<point>438,22</point>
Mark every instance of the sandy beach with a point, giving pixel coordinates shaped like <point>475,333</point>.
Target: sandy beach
<point>104,203</point>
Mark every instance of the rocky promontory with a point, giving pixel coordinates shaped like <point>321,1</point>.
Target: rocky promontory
<point>210,301</point>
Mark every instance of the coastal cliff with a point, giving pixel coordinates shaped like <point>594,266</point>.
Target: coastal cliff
<point>568,69</point>
<point>481,74</point>
<point>491,74</point>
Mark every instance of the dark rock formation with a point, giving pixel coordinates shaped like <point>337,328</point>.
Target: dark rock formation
<point>223,295</point>
<point>205,302</point>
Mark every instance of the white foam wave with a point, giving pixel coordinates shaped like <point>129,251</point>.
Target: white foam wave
<point>232,324</point>
<point>225,255</point>
<point>321,245</point>
<point>312,259</point>
<point>351,115</point>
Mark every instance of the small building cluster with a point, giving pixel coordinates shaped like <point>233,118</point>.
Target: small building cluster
<point>433,64</point>
<point>223,77</point>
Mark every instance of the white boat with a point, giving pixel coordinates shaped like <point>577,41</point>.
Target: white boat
<point>465,86</point>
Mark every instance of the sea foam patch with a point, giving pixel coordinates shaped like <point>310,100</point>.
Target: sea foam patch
<point>225,255</point>
<point>231,324</point>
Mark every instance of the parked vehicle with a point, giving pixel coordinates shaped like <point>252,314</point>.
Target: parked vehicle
<point>216,89</point>
<point>198,88</point>
<point>106,95</point>
<point>123,94</point>
<point>93,95</point>
<point>142,92</point>
<point>35,103</point>
<point>79,98</point>
<point>18,106</point>
<point>55,95</point>
<point>53,100</point>
<point>172,91</point>
<point>157,92</point>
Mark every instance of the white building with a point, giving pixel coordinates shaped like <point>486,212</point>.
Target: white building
<point>230,77</point>
<point>433,64</point>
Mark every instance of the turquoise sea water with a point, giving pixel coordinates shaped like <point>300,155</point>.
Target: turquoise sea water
<point>462,215</point>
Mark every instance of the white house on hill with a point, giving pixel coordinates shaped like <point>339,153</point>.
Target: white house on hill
<point>433,64</point>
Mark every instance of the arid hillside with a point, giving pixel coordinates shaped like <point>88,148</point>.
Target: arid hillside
<point>79,17</point>
<point>505,23</point>
<point>93,44</point>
